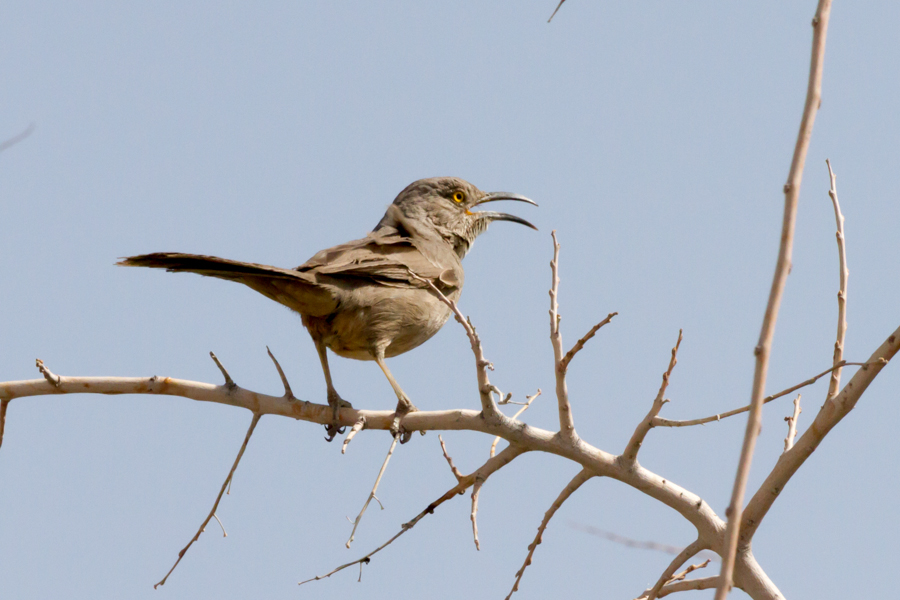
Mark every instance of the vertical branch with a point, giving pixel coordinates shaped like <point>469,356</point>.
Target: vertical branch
<point>835,383</point>
<point>3,405</point>
<point>566,422</point>
<point>782,268</point>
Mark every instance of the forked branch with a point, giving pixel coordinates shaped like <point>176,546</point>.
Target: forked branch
<point>629,455</point>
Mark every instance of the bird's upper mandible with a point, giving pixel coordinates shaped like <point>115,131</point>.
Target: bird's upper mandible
<point>438,208</point>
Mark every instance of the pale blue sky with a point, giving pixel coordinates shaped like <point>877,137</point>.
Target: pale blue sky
<point>656,137</point>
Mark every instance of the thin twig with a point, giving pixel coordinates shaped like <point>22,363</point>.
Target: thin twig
<point>54,380</point>
<point>688,571</point>
<point>564,363</point>
<point>629,455</point>
<point>835,384</point>
<point>374,489</point>
<point>566,421</point>
<point>792,425</point>
<point>219,521</point>
<point>683,556</point>
<point>357,426</point>
<point>491,466</point>
<point>705,583</point>
<point>287,386</point>
<point>779,280</point>
<point>555,11</point>
<point>212,513</point>
<point>476,490</point>
<point>567,491</point>
<point>456,472</point>
<point>17,138</point>
<point>488,406</point>
<point>660,422</point>
<point>229,382</point>
<point>525,405</point>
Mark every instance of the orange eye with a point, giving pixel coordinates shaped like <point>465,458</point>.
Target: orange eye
<point>458,196</point>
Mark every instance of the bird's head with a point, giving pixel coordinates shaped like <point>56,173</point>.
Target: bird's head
<point>442,205</point>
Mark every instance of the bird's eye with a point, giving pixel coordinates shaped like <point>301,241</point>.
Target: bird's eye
<point>458,196</point>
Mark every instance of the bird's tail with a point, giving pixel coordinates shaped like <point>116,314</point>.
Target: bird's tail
<point>296,290</point>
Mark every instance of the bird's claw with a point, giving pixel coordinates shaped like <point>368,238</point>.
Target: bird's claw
<point>335,428</point>
<point>404,407</point>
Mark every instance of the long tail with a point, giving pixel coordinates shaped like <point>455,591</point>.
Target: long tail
<point>296,290</point>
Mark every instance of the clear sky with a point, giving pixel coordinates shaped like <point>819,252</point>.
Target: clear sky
<point>656,137</point>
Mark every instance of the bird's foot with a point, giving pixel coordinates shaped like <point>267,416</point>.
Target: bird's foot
<point>336,403</point>
<point>404,407</point>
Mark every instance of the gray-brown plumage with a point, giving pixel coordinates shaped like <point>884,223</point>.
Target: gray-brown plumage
<point>362,299</point>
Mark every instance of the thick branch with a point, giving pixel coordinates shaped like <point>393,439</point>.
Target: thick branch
<point>629,455</point>
<point>567,491</point>
<point>779,280</point>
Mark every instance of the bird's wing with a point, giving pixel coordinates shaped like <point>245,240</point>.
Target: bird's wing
<point>388,259</point>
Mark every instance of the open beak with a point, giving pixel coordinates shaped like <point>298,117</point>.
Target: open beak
<point>498,216</point>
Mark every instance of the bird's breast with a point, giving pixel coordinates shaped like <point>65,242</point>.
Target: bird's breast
<point>396,319</point>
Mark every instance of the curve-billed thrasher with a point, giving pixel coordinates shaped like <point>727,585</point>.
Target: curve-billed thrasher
<point>362,299</point>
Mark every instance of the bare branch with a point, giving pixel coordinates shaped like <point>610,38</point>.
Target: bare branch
<point>842,291</point>
<point>688,571</point>
<point>359,425</point>
<point>476,490</point>
<point>566,422</point>
<point>555,11</point>
<point>5,403</point>
<point>374,489</point>
<point>481,363</point>
<point>528,401</point>
<point>212,513</point>
<point>20,137</point>
<point>831,413</point>
<point>287,386</point>
<point>567,491</point>
<point>492,465</point>
<point>659,422</point>
<point>54,380</point>
<point>229,382</point>
<point>792,424</point>
<point>456,472</point>
<point>705,583</point>
<point>564,363</point>
<point>683,556</point>
<point>779,280</point>
<point>629,455</point>
<point>626,541</point>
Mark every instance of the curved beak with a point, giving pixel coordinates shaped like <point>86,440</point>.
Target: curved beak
<point>498,216</point>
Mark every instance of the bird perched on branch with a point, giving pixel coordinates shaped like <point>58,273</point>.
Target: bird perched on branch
<point>366,299</point>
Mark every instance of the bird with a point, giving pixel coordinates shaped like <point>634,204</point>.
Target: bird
<point>370,299</point>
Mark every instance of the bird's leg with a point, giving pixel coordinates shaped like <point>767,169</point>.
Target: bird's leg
<point>334,399</point>
<point>404,405</point>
